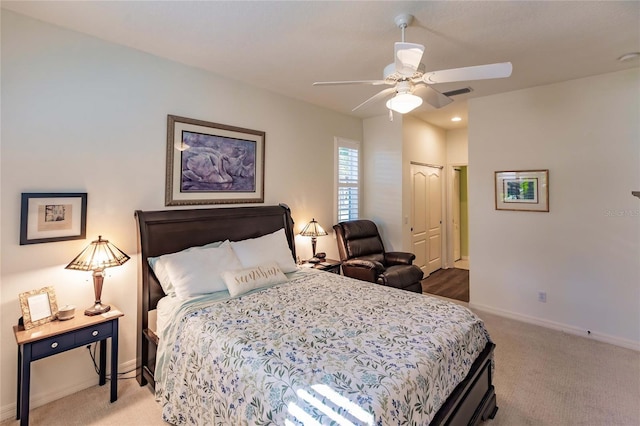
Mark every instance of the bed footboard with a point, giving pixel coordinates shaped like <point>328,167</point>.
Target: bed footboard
<point>474,399</point>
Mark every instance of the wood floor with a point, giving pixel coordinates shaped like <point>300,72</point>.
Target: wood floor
<point>452,283</point>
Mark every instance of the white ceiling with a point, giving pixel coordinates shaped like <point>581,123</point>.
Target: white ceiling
<point>286,46</point>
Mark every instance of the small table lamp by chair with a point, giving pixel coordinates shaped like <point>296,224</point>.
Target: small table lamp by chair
<point>97,256</point>
<point>313,230</point>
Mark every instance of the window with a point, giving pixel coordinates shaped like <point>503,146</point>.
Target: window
<point>347,179</point>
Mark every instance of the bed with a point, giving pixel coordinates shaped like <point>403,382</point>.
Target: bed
<point>319,348</point>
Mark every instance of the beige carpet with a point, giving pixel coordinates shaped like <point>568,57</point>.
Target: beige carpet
<point>546,377</point>
<point>135,406</point>
<point>543,377</point>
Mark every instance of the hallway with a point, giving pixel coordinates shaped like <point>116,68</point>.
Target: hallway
<point>461,264</point>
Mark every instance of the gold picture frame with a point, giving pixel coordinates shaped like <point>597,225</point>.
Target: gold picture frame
<point>38,307</point>
<point>522,190</point>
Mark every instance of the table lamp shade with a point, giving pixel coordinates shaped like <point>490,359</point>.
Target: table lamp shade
<point>313,230</point>
<point>97,256</point>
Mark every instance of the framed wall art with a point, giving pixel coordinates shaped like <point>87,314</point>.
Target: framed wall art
<point>524,190</point>
<point>38,307</point>
<point>210,163</point>
<point>49,217</point>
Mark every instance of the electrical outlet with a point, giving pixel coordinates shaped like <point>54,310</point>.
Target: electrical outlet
<point>542,297</point>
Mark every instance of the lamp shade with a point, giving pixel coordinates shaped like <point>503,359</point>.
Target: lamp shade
<point>313,229</point>
<point>404,102</point>
<point>98,255</point>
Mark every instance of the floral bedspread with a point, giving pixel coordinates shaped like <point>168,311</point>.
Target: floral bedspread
<point>319,349</point>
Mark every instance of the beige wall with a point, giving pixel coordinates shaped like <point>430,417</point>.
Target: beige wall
<point>80,114</point>
<point>457,146</point>
<point>585,252</point>
<point>382,188</point>
<point>389,148</point>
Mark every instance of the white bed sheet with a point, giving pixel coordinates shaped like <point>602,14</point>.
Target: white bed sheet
<point>163,313</point>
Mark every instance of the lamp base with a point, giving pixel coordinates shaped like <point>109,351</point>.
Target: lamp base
<point>97,309</point>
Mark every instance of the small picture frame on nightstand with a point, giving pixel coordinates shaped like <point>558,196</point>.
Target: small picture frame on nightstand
<point>38,307</point>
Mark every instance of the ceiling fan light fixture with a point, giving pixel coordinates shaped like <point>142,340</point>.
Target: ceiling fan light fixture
<point>403,103</point>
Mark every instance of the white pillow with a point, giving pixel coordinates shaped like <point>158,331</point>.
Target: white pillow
<point>161,272</point>
<point>268,248</point>
<point>198,271</point>
<point>244,280</point>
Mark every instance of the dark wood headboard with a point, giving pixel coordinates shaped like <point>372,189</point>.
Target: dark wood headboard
<point>170,231</point>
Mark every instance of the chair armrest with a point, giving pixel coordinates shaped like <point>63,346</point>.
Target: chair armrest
<point>366,264</point>
<point>365,270</point>
<point>399,258</point>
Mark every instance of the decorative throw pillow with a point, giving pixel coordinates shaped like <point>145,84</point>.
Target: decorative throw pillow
<point>161,272</point>
<point>268,248</point>
<point>244,280</point>
<point>197,272</point>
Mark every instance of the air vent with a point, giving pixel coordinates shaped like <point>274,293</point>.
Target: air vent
<point>458,91</point>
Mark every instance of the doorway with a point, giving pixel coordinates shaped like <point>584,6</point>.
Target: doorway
<point>460,218</point>
<point>453,283</point>
<point>456,215</point>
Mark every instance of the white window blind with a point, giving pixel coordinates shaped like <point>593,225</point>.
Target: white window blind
<point>348,179</point>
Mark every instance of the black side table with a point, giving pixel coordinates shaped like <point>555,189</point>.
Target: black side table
<point>327,265</point>
<point>60,336</point>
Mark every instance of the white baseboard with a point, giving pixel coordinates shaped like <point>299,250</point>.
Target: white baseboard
<point>601,337</point>
<point>9,411</point>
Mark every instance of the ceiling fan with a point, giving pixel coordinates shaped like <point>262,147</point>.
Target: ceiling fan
<point>407,76</point>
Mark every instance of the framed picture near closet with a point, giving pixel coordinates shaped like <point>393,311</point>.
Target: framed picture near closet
<point>522,190</point>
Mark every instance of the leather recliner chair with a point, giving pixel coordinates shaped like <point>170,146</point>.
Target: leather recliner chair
<point>363,257</point>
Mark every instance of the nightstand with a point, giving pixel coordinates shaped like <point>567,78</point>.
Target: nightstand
<point>60,336</point>
<point>327,265</point>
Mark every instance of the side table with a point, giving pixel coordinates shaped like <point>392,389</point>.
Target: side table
<point>60,336</point>
<point>328,265</point>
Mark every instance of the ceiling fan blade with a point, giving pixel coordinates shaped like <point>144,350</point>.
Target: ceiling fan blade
<point>339,83</point>
<point>432,96</point>
<point>478,72</point>
<point>377,96</point>
<point>408,57</point>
